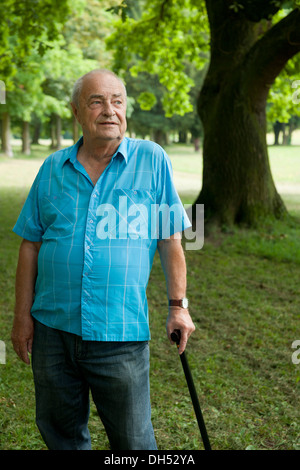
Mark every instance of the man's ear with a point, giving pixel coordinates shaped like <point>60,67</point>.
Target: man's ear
<point>75,112</point>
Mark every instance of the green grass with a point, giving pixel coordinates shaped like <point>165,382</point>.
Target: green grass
<point>244,295</point>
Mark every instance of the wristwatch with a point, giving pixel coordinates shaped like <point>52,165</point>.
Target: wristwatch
<point>183,303</point>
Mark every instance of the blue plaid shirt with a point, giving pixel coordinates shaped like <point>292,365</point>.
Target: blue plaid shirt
<point>98,242</point>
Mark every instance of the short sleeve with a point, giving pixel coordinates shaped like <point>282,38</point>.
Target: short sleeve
<point>171,215</point>
<point>28,225</point>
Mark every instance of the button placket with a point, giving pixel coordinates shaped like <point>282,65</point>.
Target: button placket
<point>86,292</point>
<point>87,283</point>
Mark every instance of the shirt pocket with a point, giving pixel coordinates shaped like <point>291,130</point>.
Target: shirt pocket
<point>128,216</point>
<point>58,213</point>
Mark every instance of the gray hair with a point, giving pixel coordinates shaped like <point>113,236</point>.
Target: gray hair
<point>79,83</point>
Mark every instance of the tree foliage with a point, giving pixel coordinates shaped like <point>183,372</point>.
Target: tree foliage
<point>249,46</point>
<point>167,36</point>
<point>27,25</point>
<point>42,58</point>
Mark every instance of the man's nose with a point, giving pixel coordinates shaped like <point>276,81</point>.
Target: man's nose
<point>108,109</point>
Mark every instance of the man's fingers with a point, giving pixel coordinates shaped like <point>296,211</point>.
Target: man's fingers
<point>179,320</point>
<point>22,338</point>
<point>23,354</point>
<point>182,336</point>
<point>29,346</point>
<point>183,342</point>
<point>22,350</point>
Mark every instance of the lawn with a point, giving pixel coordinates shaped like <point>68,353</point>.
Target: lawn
<point>243,288</point>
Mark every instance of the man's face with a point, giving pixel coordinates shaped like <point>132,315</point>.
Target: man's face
<point>102,108</point>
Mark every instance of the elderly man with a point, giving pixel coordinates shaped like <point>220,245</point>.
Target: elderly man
<point>90,228</point>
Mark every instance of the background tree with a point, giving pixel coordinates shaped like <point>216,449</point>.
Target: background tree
<point>40,66</point>
<point>25,26</point>
<point>24,95</point>
<point>249,47</point>
<point>281,110</point>
<point>23,29</point>
<point>147,118</point>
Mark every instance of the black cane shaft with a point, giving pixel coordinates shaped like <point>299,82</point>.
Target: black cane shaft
<point>175,336</point>
<point>195,401</point>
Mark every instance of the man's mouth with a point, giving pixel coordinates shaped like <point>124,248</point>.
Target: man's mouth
<point>108,123</point>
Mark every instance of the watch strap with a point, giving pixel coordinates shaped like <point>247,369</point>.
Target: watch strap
<point>183,303</point>
<point>175,303</point>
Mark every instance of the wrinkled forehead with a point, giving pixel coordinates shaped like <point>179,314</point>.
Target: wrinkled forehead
<point>102,84</point>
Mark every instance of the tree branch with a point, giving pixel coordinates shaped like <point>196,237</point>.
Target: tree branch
<point>269,55</point>
<point>257,10</point>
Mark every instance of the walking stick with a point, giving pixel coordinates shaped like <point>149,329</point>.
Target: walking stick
<point>175,336</point>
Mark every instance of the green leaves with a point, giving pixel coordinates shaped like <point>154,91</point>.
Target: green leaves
<point>147,100</point>
<point>282,104</point>
<point>166,38</point>
<point>28,25</point>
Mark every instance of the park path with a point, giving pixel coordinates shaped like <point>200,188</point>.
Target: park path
<point>190,184</point>
<point>21,173</point>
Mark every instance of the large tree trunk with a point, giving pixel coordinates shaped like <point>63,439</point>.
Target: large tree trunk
<point>237,181</point>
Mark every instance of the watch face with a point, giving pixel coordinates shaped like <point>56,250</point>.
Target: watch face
<point>185,303</point>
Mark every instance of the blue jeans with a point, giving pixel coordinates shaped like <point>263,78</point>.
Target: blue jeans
<point>66,368</point>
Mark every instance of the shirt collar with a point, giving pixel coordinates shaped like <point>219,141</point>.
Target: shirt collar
<point>71,154</point>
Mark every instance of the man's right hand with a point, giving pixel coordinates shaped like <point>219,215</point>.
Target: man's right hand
<point>22,337</point>
<point>23,327</point>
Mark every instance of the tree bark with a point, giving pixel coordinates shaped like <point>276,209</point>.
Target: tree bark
<point>237,183</point>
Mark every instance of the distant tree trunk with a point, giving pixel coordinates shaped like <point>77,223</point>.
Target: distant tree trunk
<point>58,131</point>
<point>55,132</point>
<point>237,181</point>
<point>182,137</point>
<point>52,133</point>
<point>6,135</point>
<point>277,128</point>
<point>159,137</point>
<point>292,127</point>
<point>197,144</point>
<point>36,132</point>
<point>285,135</point>
<point>26,138</point>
